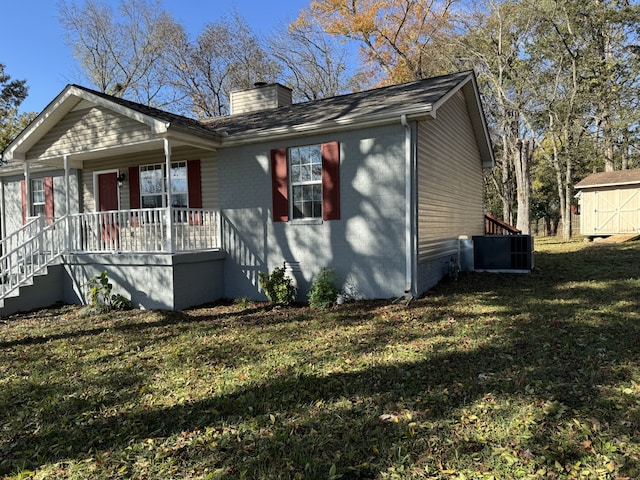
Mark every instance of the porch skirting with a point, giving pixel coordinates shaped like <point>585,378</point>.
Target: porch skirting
<point>151,280</point>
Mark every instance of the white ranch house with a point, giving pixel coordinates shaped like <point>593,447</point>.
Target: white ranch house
<point>378,185</point>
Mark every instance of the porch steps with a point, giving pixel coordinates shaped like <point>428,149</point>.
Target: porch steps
<point>43,290</point>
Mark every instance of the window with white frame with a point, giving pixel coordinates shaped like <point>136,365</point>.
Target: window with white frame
<point>154,185</point>
<point>305,167</point>
<point>38,198</point>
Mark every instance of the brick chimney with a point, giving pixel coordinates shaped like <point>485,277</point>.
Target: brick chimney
<point>262,96</point>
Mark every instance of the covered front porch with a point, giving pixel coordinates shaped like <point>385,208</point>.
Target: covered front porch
<point>99,183</point>
<point>164,258</point>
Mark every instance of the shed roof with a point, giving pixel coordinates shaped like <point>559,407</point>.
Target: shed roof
<point>609,179</point>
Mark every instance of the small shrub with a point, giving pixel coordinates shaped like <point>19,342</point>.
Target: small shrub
<point>323,292</point>
<point>100,297</point>
<point>278,288</point>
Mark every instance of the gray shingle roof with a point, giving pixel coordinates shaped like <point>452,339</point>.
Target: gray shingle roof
<point>354,105</point>
<point>162,115</point>
<point>361,104</point>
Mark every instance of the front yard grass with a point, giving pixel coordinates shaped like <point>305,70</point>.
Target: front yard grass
<point>490,377</point>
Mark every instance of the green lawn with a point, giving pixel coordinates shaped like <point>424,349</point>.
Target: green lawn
<point>492,376</point>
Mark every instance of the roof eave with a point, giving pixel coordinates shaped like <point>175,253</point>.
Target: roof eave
<point>610,184</point>
<point>342,123</point>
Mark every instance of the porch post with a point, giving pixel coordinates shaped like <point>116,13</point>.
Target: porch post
<point>27,191</point>
<point>167,156</point>
<point>67,202</point>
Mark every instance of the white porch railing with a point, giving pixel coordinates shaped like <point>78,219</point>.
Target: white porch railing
<point>29,251</point>
<point>145,230</point>
<point>41,241</point>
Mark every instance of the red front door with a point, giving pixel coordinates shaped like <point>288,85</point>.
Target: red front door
<point>107,192</point>
<point>108,200</point>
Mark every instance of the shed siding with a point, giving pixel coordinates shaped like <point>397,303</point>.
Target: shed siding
<point>610,210</point>
<point>89,129</point>
<point>450,195</point>
<point>365,246</point>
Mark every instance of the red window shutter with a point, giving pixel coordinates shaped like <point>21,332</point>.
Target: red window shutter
<point>193,184</point>
<point>330,181</point>
<point>134,188</point>
<point>48,197</point>
<point>279,187</point>
<point>23,190</point>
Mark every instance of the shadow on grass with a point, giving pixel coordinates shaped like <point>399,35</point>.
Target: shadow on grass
<point>562,340</point>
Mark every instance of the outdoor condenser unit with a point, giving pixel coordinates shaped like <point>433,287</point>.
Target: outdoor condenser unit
<point>513,253</point>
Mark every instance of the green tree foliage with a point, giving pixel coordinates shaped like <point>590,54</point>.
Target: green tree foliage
<point>561,78</point>
<point>12,94</point>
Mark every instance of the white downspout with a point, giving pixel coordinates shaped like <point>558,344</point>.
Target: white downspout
<point>408,210</point>
<point>167,156</point>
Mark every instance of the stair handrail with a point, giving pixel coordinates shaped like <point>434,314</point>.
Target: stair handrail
<point>21,235</point>
<point>32,256</point>
<point>495,226</point>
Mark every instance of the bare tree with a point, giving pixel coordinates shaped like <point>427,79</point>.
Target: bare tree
<point>225,56</point>
<point>314,64</point>
<point>122,52</point>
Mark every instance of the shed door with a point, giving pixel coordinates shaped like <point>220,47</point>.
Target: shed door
<point>617,211</point>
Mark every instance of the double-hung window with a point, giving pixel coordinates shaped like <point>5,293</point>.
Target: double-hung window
<point>305,166</point>
<point>40,200</point>
<point>154,185</point>
<point>306,183</point>
<point>38,204</point>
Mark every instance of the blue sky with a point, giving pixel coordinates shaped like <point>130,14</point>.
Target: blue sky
<point>33,45</point>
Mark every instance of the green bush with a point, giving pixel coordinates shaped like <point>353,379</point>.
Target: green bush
<point>100,297</point>
<point>278,288</point>
<point>323,292</point>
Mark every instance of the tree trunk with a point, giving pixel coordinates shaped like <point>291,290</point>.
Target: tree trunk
<point>507,197</point>
<point>522,162</point>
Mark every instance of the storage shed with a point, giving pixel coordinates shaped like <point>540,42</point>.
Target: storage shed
<point>610,203</point>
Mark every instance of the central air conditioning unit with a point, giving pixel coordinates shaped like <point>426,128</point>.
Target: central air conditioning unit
<point>503,253</point>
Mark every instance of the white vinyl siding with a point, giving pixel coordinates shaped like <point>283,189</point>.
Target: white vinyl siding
<point>89,129</point>
<point>450,196</point>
